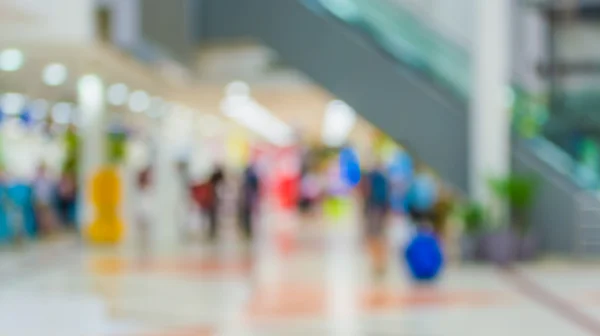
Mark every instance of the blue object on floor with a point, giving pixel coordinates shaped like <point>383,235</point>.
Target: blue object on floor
<point>424,257</point>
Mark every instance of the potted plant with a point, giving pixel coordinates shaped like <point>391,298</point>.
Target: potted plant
<point>517,194</point>
<point>473,217</point>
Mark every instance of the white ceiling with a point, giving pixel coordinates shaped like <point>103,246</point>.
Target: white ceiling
<point>250,63</point>
<point>10,13</point>
<point>285,92</point>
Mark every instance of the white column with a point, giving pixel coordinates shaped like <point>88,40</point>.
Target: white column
<point>170,197</point>
<point>90,95</point>
<point>490,118</point>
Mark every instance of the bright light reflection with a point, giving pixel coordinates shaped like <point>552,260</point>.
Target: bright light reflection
<point>55,74</point>
<point>139,101</point>
<point>39,109</point>
<point>237,89</point>
<point>90,91</point>
<point>117,94</point>
<point>258,119</point>
<point>11,60</point>
<point>338,124</point>
<point>13,103</point>
<point>61,113</point>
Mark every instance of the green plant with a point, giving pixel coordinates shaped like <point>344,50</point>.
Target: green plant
<point>517,192</point>
<point>116,146</point>
<point>72,143</point>
<point>474,217</point>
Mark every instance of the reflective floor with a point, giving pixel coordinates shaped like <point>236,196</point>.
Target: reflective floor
<point>296,278</point>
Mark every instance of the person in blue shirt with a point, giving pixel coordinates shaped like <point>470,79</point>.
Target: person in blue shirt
<point>376,189</point>
<point>249,199</point>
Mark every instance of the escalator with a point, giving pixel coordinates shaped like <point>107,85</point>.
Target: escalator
<point>407,80</point>
<point>395,98</point>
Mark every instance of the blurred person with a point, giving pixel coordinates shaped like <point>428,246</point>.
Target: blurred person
<point>5,208</point>
<point>43,194</point>
<point>182,207</point>
<point>249,199</point>
<point>17,203</point>
<point>376,197</point>
<point>215,182</point>
<point>67,198</point>
<point>309,192</point>
<point>422,200</point>
<point>144,210</point>
<point>304,199</point>
<point>336,203</point>
<point>202,198</point>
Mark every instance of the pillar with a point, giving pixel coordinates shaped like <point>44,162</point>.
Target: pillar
<point>90,95</point>
<point>490,119</point>
<point>170,135</point>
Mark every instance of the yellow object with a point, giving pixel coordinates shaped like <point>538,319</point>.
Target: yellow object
<point>238,150</point>
<point>336,208</point>
<point>105,194</point>
<point>385,147</point>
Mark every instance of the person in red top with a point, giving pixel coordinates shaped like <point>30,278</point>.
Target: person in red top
<point>144,210</point>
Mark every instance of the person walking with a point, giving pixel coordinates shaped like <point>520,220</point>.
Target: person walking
<point>376,210</point>
<point>249,199</point>
<point>43,191</point>
<point>215,182</point>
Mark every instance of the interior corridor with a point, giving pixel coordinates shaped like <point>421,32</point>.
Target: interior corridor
<point>298,277</point>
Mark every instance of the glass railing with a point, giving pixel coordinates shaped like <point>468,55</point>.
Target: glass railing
<point>409,40</point>
<point>404,36</point>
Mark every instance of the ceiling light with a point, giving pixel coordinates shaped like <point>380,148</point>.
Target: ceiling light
<point>39,109</point>
<point>11,60</point>
<point>339,122</point>
<point>259,120</point>
<point>118,94</point>
<point>139,101</point>
<point>90,91</point>
<point>55,74</point>
<point>237,89</point>
<point>61,113</point>
<point>13,103</point>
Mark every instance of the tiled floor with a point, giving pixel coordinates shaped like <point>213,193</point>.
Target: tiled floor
<point>312,280</point>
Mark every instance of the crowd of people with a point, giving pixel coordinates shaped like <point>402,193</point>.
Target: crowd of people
<point>47,204</point>
<point>40,206</point>
<point>385,195</point>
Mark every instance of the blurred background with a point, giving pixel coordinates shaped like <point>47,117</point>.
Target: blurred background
<point>299,167</point>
